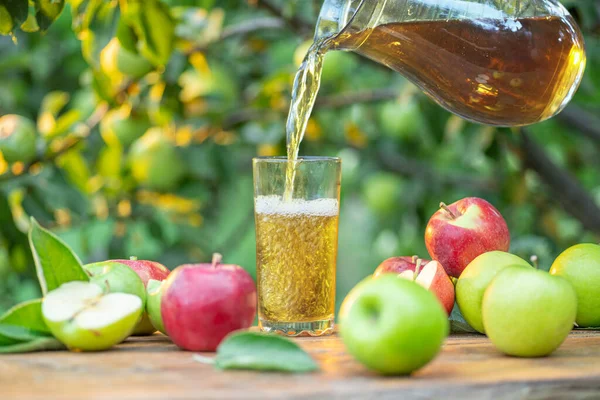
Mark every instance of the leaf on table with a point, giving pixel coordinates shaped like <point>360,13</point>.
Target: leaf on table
<point>27,315</point>
<point>257,351</point>
<point>15,333</point>
<point>41,344</point>
<point>55,262</point>
<point>458,323</point>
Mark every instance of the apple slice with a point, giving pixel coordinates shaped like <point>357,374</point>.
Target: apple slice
<point>154,299</point>
<point>434,278</point>
<point>81,316</point>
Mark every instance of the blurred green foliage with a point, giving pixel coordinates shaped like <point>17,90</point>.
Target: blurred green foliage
<point>148,114</point>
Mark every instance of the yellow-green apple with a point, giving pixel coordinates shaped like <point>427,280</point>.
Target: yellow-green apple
<point>18,137</point>
<point>202,303</point>
<point>153,301</point>
<point>146,270</point>
<point>475,279</point>
<point>458,233</point>
<point>82,317</point>
<point>429,274</point>
<point>527,312</point>
<point>393,326</point>
<point>580,265</point>
<point>117,277</point>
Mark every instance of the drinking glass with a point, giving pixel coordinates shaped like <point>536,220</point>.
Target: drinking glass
<point>296,243</point>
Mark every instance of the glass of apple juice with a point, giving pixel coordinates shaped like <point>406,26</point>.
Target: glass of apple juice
<point>296,211</point>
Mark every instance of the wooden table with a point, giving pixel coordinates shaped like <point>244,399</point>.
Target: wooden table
<point>153,368</point>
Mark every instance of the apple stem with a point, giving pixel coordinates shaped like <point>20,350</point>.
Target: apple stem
<point>133,258</point>
<point>446,209</point>
<point>216,260</point>
<point>417,269</point>
<point>534,261</point>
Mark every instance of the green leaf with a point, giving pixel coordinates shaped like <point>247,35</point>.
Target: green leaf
<point>47,11</point>
<point>257,351</point>
<point>154,27</point>
<point>18,9</point>
<point>126,36</point>
<point>458,323</point>
<point>55,262</point>
<point>19,333</point>
<point>41,344</point>
<point>27,315</point>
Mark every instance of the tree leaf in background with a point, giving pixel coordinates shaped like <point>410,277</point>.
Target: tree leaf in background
<point>146,17</point>
<point>18,10</point>
<point>41,344</point>
<point>257,351</point>
<point>126,36</point>
<point>6,22</point>
<point>47,11</point>
<point>27,315</point>
<point>55,262</point>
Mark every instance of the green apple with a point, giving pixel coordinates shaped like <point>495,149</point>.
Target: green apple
<point>580,265</point>
<point>475,279</point>
<point>527,312</point>
<point>116,278</point>
<point>154,297</point>
<point>120,127</point>
<point>154,161</point>
<point>132,64</point>
<point>393,326</point>
<point>119,278</point>
<point>383,193</point>
<point>18,136</point>
<point>81,316</point>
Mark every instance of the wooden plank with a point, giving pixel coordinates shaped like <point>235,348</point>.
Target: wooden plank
<point>152,368</point>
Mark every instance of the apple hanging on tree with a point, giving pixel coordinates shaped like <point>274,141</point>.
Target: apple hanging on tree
<point>458,233</point>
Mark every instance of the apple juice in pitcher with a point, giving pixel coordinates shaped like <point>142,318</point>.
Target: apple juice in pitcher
<point>495,62</point>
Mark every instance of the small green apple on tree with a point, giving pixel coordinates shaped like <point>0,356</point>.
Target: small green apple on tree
<point>84,318</point>
<point>527,312</point>
<point>18,136</point>
<point>580,265</point>
<point>475,279</point>
<point>393,326</point>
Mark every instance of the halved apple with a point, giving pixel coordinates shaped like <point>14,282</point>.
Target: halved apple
<point>81,316</point>
<point>434,278</point>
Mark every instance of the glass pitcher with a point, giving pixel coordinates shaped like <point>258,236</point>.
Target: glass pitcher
<point>496,62</point>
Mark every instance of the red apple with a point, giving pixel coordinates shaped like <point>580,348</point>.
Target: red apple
<point>458,233</point>
<point>429,274</point>
<point>397,265</point>
<point>434,278</point>
<point>146,270</point>
<point>202,303</point>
